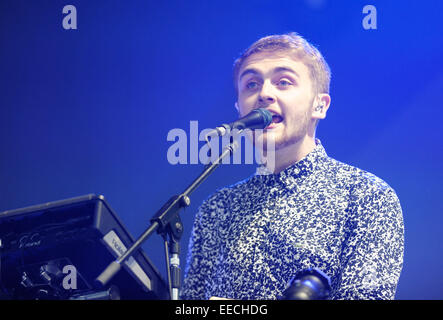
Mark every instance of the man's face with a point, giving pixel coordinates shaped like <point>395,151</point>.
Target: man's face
<point>282,85</point>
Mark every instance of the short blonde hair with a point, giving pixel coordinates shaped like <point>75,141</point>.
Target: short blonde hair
<point>296,45</point>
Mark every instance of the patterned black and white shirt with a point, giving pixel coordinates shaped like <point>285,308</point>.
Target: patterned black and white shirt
<point>250,239</point>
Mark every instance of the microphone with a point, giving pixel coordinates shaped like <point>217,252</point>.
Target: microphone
<point>310,284</point>
<point>256,119</point>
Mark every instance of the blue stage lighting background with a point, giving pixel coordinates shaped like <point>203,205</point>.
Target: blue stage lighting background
<point>88,110</point>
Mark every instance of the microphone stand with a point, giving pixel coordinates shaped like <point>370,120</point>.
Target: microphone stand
<point>167,222</point>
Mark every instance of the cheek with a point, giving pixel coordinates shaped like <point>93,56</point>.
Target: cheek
<point>245,106</point>
<point>297,105</point>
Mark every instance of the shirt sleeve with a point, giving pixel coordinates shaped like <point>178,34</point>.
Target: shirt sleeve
<point>372,257</point>
<point>201,253</point>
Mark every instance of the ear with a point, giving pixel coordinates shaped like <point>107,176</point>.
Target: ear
<point>237,108</point>
<point>321,106</point>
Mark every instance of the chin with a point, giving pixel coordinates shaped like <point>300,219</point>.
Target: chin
<point>269,140</point>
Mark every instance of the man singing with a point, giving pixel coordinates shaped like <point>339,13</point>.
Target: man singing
<point>307,210</point>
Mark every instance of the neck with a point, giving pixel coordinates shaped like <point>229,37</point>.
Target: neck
<point>286,156</point>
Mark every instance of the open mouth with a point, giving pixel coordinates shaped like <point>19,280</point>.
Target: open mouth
<point>276,118</point>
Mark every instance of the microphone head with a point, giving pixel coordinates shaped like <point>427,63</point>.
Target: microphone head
<point>267,116</point>
<point>256,119</point>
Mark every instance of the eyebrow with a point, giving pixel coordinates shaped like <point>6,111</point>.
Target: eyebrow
<point>276,70</point>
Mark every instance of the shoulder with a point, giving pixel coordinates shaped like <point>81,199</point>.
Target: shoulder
<point>357,180</point>
<point>227,193</point>
<point>370,197</point>
<point>217,202</point>
<point>225,201</point>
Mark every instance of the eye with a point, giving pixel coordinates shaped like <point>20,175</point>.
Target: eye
<point>251,85</point>
<point>284,82</point>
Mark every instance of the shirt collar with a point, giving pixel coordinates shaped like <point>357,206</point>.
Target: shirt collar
<point>300,169</point>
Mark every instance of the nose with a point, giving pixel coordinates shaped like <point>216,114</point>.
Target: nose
<point>266,95</point>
